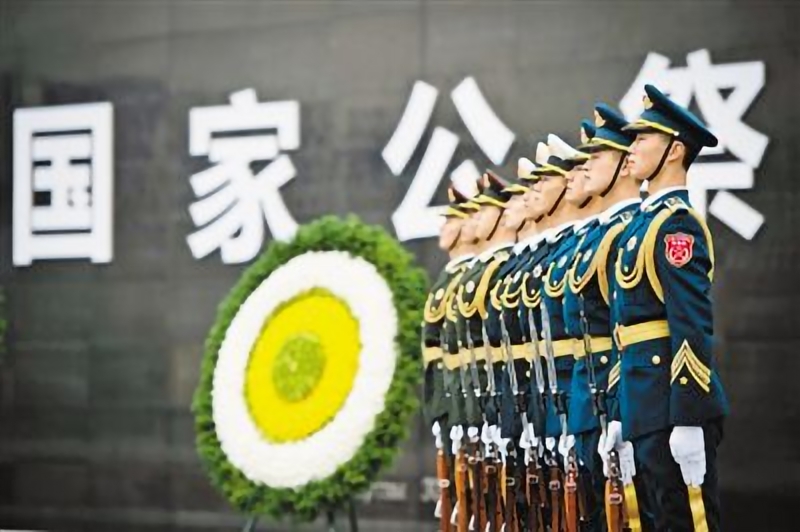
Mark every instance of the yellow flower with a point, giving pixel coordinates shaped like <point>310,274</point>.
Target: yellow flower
<point>302,366</point>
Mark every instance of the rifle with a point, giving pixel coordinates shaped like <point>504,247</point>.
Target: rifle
<point>491,462</point>
<point>460,516</point>
<point>512,520</point>
<point>556,477</point>
<point>616,514</point>
<point>478,521</point>
<point>444,506</point>
<point>535,490</point>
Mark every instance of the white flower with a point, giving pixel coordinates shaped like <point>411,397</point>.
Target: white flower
<point>356,283</point>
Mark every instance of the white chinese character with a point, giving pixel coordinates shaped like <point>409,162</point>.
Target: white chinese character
<point>724,115</point>
<point>415,218</point>
<point>63,183</point>
<point>233,198</point>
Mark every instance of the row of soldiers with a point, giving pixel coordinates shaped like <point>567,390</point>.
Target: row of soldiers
<point>569,377</point>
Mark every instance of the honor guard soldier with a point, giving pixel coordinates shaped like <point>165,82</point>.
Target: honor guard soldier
<point>587,305</point>
<point>506,352</point>
<point>560,218</point>
<point>671,400</point>
<point>494,241</point>
<point>435,401</point>
<point>455,380</point>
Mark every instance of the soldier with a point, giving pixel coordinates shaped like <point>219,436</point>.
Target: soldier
<point>558,167</point>
<point>455,379</point>
<point>586,301</point>
<point>503,356</point>
<point>435,403</point>
<point>521,298</point>
<point>671,400</point>
<point>493,239</point>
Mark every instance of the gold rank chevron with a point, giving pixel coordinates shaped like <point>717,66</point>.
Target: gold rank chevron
<point>685,357</point>
<point>614,374</point>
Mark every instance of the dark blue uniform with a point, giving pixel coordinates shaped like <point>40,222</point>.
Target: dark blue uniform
<point>531,297</point>
<point>588,288</point>
<point>662,305</point>
<point>505,299</point>
<point>554,284</point>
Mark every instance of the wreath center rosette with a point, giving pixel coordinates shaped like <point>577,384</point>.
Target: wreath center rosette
<point>310,372</point>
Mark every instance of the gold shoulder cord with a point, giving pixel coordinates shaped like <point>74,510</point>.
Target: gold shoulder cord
<point>483,286</point>
<point>602,251</point>
<point>432,313</point>
<point>494,296</point>
<point>645,259</point>
<point>449,295</point>
<point>531,300</point>
<point>478,302</point>
<point>510,298</point>
<point>650,242</point>
<point>555,290</point>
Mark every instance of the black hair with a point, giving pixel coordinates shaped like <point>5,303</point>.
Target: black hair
<point>689,155</point>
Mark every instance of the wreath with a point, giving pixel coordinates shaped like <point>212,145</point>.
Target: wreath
<point>310,372</point>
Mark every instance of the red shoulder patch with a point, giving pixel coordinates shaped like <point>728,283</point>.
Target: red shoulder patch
<point>679,249</point>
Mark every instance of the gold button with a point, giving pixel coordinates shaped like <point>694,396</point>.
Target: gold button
<point>684,381</point>
<point>656,360</point>
<point>439,365</point>
<point>604,359</point>
<point>528,373</point>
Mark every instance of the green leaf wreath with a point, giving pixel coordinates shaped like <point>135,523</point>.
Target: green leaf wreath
<point>407,283</point>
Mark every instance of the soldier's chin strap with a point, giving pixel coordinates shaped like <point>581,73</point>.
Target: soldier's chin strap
<point>558,201</point>
<point>455,242</point>
<point>663,159</point>
<point>619,169</point>
<point>496,226</point>
<point>586,202</point>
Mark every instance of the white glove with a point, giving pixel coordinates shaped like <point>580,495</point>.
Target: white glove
<point>601,450</point>
<point>437,433</point>
<point>608,441</point>
<point>533,438</point>
<point>565,444</point>
<point>689,451</point>
<point>499,442</point>
<point>550,443</point>
<point>627,467</point>
<point>486,434</point>
<point>456,433</point>
<point>613,441</point>
<point>472,433</point>
<point>525,444</point>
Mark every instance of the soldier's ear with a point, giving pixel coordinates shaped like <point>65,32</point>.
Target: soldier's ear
<point>677,152</point>
<point>625,170</point>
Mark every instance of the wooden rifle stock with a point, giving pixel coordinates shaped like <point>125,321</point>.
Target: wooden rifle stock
<point>493,497</point>
<point>616,515</point>
<point>556,505</point>
<point>511,496</point>
<point>442,471</point>
<point>571,496</point>
<point>462,523</point>
<point>478,506</point>
<point>535,493</point>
